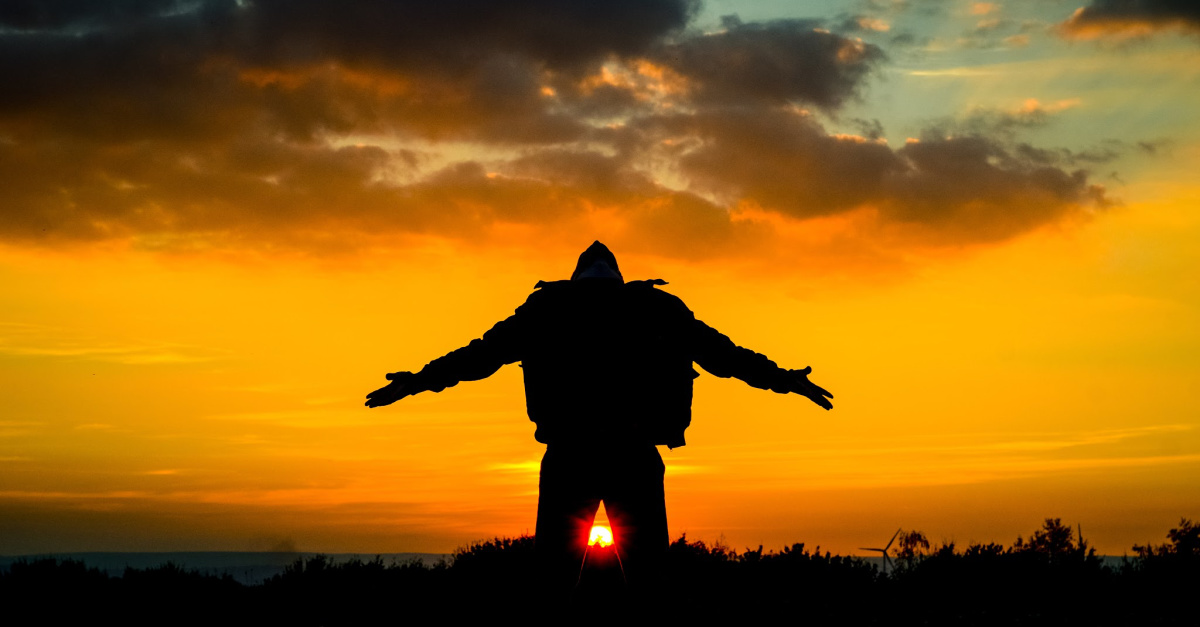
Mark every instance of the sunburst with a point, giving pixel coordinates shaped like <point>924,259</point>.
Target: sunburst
<point>600,536</point>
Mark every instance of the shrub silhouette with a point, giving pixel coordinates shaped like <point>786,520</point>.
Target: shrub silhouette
<point>1184,546</point>
<point>911,547</point>
<point>1168,571</point>
<point>1050,578</point>
<point>1056,543</point>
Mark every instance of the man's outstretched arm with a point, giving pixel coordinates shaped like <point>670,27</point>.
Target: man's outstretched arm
<point>478,360</point>
<point>717,354</point>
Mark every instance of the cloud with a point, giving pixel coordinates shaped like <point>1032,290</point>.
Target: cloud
<point>775,62</point>
<point>407,32</point>
<point>784,160</point>
<point>1124,19</point>
<point>862,24</point>
<point>991,32</point>
<point>973,185</point>
<point>1007,122</point>
<point>214,66</point>
<point>81,14</point>
<point>270,125</point>
<point>1004,126</point>
<point>983,8</point>
<point>1016,41</point>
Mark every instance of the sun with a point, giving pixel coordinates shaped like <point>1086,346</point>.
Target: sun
<point>601,536</point>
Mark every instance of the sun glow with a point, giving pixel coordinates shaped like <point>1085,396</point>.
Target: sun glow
<point>601,536</point>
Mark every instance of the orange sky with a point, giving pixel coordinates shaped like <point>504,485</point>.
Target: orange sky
<point>983,247</point>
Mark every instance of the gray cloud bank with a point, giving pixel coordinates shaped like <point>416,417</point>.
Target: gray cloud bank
<point>177,124</point>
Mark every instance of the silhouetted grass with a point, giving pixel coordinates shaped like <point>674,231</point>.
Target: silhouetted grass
<point>1051,578</point>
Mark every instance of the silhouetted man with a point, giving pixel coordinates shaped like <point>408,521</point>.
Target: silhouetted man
<point>608,376</point>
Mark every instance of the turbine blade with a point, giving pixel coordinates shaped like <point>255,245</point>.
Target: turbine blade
<point>889,544</point>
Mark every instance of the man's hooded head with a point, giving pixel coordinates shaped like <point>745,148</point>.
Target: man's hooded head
<point>597,262</point>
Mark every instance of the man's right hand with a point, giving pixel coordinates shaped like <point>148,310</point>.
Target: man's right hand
<point>815,393</point>
<point>401,385</point>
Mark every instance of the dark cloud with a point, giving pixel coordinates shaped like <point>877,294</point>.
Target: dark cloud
<point>973,186</point>
<point>106,191</point>
<point>784,161</point>
<point>603,178</point>
<point>316,125</point>
<point>868,129</point>
<point>1063,157</point>
<point>458,67</point>
<point>262,195</point>
<point>1004,127</point>
<point>81,15</point>
<point>1132,18</point>
<point>381,32</point>
<point>774,62</point>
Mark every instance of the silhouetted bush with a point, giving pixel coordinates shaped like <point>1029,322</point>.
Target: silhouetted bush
<point>911,547</point>
<point>1184,546</point>
<point>1050,578</point>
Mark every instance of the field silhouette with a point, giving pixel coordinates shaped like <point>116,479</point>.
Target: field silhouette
<point>1050,578</point>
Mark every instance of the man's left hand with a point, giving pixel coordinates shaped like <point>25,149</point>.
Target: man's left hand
<point>815,393</point>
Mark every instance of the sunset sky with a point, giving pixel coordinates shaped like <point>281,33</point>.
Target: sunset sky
<point>222,222</point>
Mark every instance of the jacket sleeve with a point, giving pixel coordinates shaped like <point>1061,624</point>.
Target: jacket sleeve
<point>718,355</point>
<point>480,359</point>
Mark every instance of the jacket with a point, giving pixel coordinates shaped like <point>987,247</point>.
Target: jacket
<point>607,360</point>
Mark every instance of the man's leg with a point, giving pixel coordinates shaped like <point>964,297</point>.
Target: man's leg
<point>636,506</point>
<point>567,505</point>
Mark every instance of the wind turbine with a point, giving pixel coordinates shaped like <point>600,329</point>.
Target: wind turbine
<point>886,560</point>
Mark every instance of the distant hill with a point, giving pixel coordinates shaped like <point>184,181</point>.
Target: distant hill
<point>246,567</point>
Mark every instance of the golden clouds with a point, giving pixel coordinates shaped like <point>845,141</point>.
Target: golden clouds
<point>645,81</point>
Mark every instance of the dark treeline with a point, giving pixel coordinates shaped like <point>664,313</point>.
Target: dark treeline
<point>1050,578</point>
